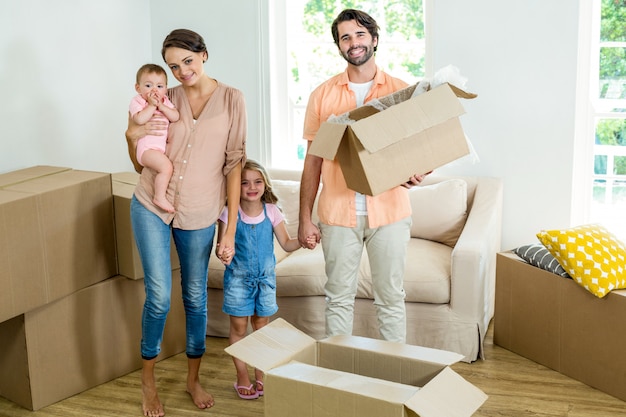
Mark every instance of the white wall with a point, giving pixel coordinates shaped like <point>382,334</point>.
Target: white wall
<point>520,58</point>
<point>231,30</point>
<point>66,77</point>
<point>67,74</point>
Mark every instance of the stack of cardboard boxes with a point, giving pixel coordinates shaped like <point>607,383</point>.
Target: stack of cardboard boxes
<point>68,321</point>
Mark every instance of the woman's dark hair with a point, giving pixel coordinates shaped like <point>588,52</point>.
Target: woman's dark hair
<point>184,39</point>
<point>362,19</point>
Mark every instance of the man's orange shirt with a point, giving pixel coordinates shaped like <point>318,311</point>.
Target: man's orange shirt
<point>337,202</point>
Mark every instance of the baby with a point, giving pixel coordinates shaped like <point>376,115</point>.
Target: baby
<point>151,86</point>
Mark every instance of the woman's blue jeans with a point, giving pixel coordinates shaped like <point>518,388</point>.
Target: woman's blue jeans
<point>194,249</point>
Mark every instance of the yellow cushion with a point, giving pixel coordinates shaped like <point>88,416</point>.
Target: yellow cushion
<point>591,255</point>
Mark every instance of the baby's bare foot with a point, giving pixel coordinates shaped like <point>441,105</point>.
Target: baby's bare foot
<point>163,204</point>
<point>200,397</point>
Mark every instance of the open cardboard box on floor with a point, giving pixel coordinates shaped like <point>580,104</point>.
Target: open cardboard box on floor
<point>383,149</point>
<point>354,376</point>
<point>128,260</point>
<point>555,322</point>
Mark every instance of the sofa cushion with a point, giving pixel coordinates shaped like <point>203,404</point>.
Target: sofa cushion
<point>288,193</point>
<point>593,256</point>
<point>426,277</point>
<point>301,273</point>
<point>439,211</point>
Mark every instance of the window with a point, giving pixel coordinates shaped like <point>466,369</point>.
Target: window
<point>305,55</point>
<point>606,132</point>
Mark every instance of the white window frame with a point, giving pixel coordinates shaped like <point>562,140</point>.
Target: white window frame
<point>590,108</point>
<point>582,180</point>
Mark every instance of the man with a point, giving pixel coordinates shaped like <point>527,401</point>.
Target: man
<point>349,220</point>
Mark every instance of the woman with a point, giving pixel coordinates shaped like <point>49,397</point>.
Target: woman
<point>207,149</point>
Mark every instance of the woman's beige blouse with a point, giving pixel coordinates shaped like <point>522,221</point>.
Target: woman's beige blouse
<point>202,154</point>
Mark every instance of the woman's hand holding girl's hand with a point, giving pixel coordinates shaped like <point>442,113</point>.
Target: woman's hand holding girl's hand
<point>225,254</point>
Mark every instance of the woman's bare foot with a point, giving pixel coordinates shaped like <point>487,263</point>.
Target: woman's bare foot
<point>151,404</point>
<point>200,397</point>
<point>163,204</point>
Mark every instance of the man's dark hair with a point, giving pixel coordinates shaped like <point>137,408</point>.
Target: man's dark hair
<point>362,19</point>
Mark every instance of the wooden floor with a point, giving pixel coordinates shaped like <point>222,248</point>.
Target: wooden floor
<point>516,387</point>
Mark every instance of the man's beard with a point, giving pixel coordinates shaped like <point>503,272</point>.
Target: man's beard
<point>369,52</point>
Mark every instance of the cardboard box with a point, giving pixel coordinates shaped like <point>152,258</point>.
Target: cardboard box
<point>383,149</point>
<point>27,174</point>
<point>354,376</point>
<point>56,235</point>
<point>557,323</point>
<point>85,339</point>
<point>128,260</point>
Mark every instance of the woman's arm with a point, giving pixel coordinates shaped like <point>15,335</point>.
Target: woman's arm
<point>226,256</point>
<point>233,192</point>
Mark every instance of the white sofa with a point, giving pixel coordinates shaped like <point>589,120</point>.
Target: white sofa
<point>450,286</point>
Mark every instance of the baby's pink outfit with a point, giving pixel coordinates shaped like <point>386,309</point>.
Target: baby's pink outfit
<point>137,104</point>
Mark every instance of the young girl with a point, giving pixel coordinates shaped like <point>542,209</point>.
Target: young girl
<point>250,277</point>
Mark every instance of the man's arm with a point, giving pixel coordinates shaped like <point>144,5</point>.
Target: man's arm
<point>309,185</point>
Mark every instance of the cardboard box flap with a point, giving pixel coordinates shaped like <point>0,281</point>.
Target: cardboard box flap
<point>405,364</point>
<point>131,178</point>
<point>462,93</point>
<point>447,395</point>
<point>275,344</point>
<point>27,174</point>
<point>408,118</point>
<point>59,181</point>
<point>400,350</point>
<point>331,134</point>
<point>122,189</point>
<point>346,382</point>
<point>124,183</point>
<point>363,112</point>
